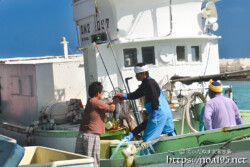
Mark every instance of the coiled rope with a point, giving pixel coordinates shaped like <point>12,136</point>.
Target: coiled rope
<point>191,97</point>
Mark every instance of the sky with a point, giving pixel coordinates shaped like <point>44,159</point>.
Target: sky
<point>32,28</point>
<point>234,27</point>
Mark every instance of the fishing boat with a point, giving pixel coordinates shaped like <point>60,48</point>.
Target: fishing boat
<point>175,38</point>
<point>219,147</point>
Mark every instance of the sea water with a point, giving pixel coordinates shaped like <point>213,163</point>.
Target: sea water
<point>241,93</point>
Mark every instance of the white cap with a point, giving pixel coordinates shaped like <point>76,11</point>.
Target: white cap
<point>141,69</point>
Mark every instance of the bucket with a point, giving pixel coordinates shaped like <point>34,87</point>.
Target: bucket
<point>197,109</point>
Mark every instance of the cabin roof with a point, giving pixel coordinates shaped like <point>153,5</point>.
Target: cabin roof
<point>41,60</point>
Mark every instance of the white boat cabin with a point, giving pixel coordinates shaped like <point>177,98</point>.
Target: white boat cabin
<point>174,37</point>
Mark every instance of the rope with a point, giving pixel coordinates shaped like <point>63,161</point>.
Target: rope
<point>228,142</point>
<point>29,132</point>
<point>148,144</point>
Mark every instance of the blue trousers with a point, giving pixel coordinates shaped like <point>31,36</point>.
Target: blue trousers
<point>164,123</point>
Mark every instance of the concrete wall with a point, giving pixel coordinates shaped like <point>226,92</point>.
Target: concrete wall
<point>45,84</point>
<point>60,81</point>
<point>18,93</point>
<point>69,81</point>
<point>230,65</point>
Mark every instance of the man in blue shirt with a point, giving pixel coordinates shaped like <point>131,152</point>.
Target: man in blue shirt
<point>160,117</point>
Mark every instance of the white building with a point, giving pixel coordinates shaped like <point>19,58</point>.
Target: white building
<point>29,84</point>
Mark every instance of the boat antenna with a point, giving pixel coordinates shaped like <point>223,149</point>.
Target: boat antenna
<point>105,67</point>
<point>109,43</point>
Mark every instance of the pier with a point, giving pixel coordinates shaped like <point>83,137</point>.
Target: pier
<point>231,65</point>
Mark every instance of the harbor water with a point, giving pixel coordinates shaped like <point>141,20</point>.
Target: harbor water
<point>241,93</point>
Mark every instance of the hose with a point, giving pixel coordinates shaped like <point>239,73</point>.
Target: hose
<point>186,111</point>
<point>117,147</point>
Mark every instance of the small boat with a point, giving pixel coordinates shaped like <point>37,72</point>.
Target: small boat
<point>36,156</point>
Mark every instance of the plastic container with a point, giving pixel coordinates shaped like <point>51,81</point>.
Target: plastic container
<point>105,148</point>
<point>10,153</point>
<point>42,156</point>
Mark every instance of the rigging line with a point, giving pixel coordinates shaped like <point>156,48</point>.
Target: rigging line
<point>70,51</point>
<point>109,43</point>
<point>171,18</point>
<point>224,145</point>
<point>113,53</point>
<point>77,33</point>
<point>208,55</point>
<point>105,67</point>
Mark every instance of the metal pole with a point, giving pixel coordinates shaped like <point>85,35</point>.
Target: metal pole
<point>137,115</point>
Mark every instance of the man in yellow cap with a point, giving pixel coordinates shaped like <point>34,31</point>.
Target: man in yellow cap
<point>220,111</point>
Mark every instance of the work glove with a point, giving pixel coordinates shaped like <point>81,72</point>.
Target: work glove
<point>129,137</point>
<point>154,117</point>
<point>121,96</point>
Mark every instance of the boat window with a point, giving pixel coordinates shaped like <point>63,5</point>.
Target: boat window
<point>148,55</point>
<point>130,57</point>
<point>180,50</point>
<point>22,86</point>
<point>195,51</point>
